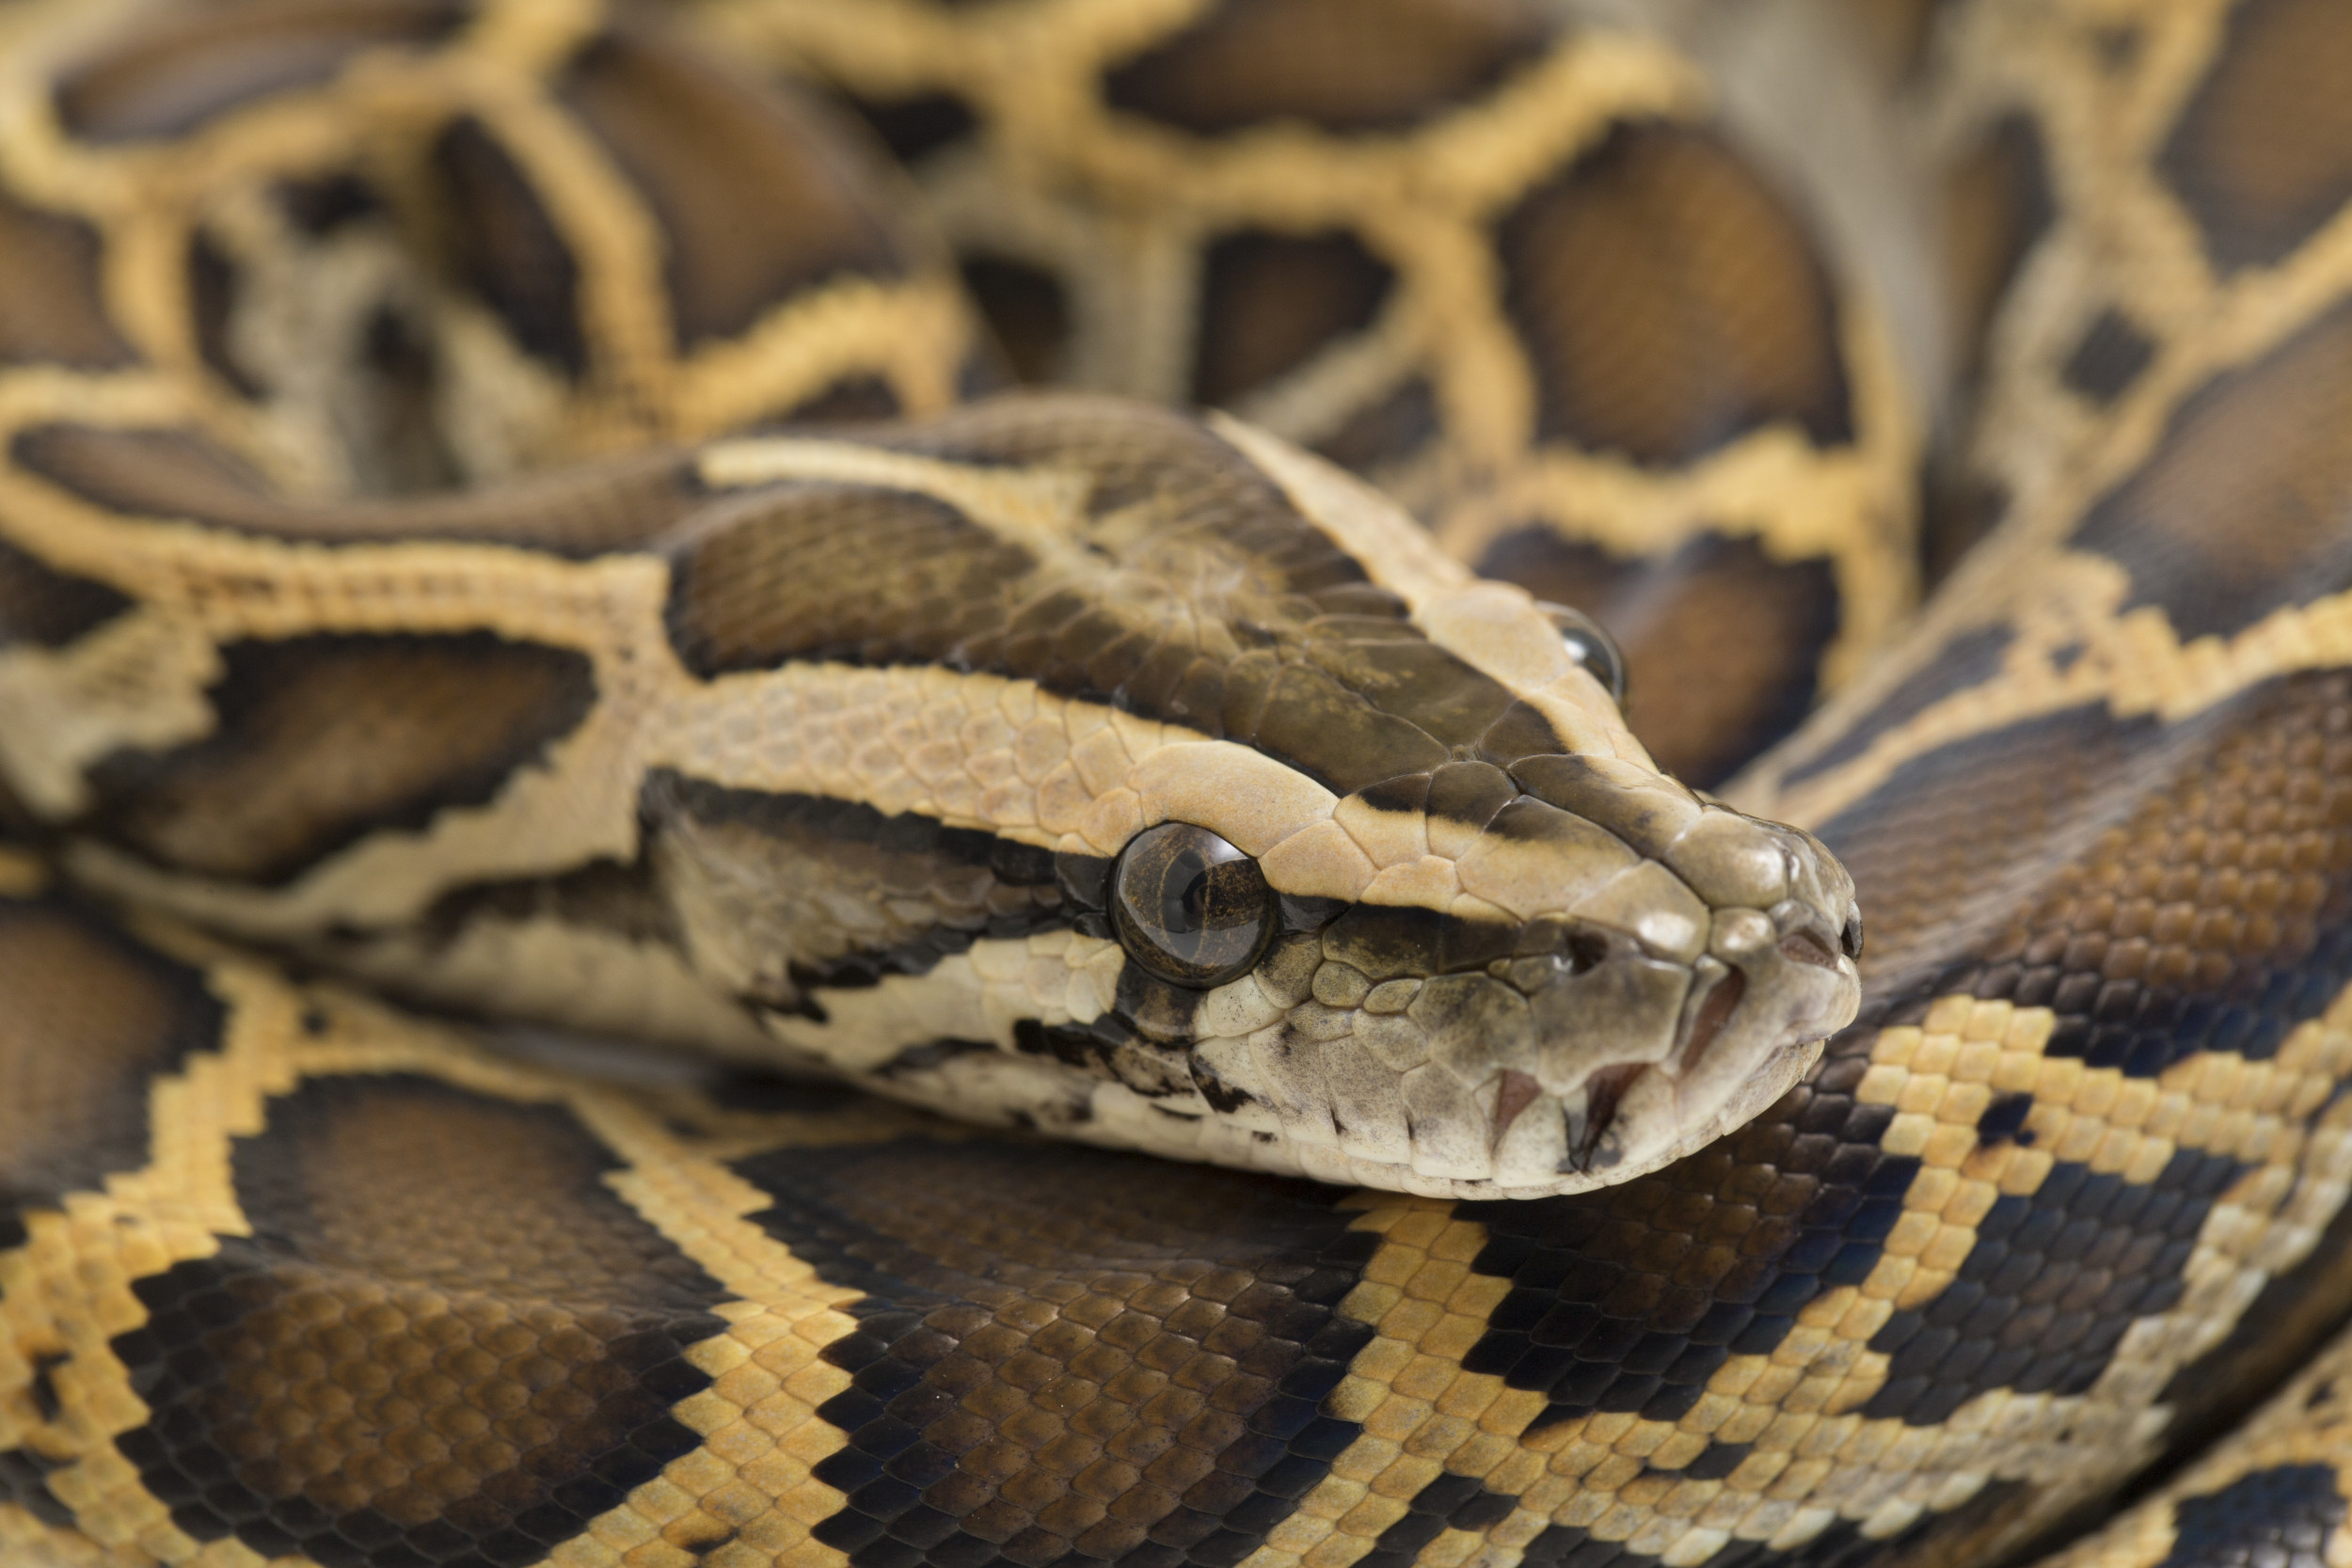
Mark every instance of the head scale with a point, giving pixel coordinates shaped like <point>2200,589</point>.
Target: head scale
<point>1305,849</point>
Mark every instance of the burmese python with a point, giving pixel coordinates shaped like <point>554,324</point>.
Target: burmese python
<point>482,513</point>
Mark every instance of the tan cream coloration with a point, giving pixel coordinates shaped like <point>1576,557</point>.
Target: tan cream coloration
<point>1154,622</point>
<point>1138,779</point>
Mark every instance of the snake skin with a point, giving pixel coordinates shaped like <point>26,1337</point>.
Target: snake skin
<point>286,1274</point>
<point>848,747</point>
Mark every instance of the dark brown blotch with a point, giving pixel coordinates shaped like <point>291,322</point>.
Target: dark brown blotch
<point>2262,156</point>
<point>1190,590</point>
<point>211,305</point>
<point>1027,308</point>
<point>47,607</point>
<point>622,899</point>
<point>1671,301</point>
<point>91,1020</point>
<point>1389,429</point>
<point>505,245</point>
<point>51,312</point>
<point>855,399</point>
<point>759,196</point>
<point>1966,660</point>
<point>1997,204</point>
<point>1337,65</point>
<point>914,127</point>
<point>792,576</point>
<point>323,205</point>
<point>177,71</point>
<point>321,741</point>
<point>446,1338</point>
<point>2242,509</point>
<point>1723,643</point>
<point>2108,358</point>
<point>1068,1353</point>
<point>1269,301</point>
<point>2174,889</point>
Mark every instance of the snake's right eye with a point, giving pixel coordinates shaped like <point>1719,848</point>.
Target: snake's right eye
<point>1189,907</point>
<point>1593,648</point>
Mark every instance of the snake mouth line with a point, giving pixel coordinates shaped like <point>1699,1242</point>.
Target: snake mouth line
<point>1604,1089</point>
<point>1592,1110</point>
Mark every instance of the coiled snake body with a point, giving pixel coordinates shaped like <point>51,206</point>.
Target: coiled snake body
<point>503,502</point>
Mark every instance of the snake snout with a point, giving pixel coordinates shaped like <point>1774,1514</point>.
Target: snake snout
<point>1701,994</point>
<point>1778,975</point>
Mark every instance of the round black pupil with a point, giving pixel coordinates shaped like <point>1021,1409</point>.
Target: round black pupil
<point>1188,897</point>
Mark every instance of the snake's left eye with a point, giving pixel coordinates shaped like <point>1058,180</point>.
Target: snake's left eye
<point>1593,648</point>
<point>1189,907</point>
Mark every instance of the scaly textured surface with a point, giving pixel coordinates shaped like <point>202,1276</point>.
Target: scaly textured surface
<point>630,737</point>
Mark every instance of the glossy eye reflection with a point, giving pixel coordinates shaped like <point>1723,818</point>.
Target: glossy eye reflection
<point>1593,648</point>
<point>1189,907</point>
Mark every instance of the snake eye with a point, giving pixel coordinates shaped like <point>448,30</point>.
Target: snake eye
<point>1593,648</point>
<point>1189,907</point>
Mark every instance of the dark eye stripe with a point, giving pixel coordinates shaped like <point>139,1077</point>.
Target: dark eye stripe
<point>925,890</point>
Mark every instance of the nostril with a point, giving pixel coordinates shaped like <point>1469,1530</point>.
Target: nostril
<point>1850,937</point>
<point>1805,948</point>
<point>1586,951</point>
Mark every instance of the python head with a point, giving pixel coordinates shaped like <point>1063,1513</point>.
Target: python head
<point>1275,838</point>
<point>1058,762</point>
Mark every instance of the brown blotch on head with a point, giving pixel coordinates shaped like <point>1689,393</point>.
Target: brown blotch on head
<point>90,1020</point>
<point>446,1334</point>
<point>581,510</point>
<point>791,575</point>
<point>180,68</point>
<point>50,311</point>
<point>1337,65</point>
<point>502,243</point>
<point>1189,589</point>
<point>323,740</point>
<point>47,607</point>
<point>1269,302</point>
<point>759,196</point>
<point>2242,509</point>
<point>1092,1354</point>
<point>2262,156</point>
<point>1723,642</point>
<point>1997,204</point>
<point>1671,301</point>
